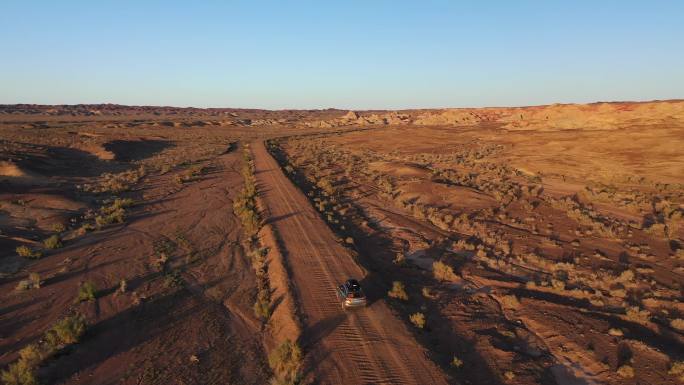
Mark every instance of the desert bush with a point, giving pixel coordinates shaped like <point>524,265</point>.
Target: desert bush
<point>262,306</point>
<point>678,324</point>
<point>58,227</point>
<point>398,291</point>
<point>510,301</point>
<point>123,286</point>
<point>557,284</point>
<point>32,355</point>
<point>116,183</point>
<point>33,282</point>
<point>456,363</point>
<point>443,272</point>
<point>625,371</point>
<point>86,292</point>
<point>19,373</point>
<point>509,375</point>
<point>677,369</point>
<point>399,259</point>
<point>173,279</point>
<point>114,213</point>
<point>286,360</point>
<point>27,252</point>
<point>635,314</point>
<point>66,331</point>
<point>418,319</point>
<point>615,332</point>
<point>428,294</point>
<point>53,242</point>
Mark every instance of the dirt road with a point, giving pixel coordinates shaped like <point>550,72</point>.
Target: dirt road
<point>365,346</point>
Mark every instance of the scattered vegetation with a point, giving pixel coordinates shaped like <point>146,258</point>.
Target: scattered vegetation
<point>677,370</point>
<point>244,205</point>
<point>443,272</point>
<point>117,183</point>
<point>286,361</point>
<point>191,174</point>
<point>625,371</point>
<point>86,292</point>
<point>53,242</point>
<point>27,252</point>
<point>418,319</point>
<point>245,208</point>
<point>398,291</point>
<point>456,363</point>
<point>65,332</point>
<point>113,213</point>
<point>33,282</point>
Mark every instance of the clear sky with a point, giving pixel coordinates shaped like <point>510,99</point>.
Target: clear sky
<point>346,54</point>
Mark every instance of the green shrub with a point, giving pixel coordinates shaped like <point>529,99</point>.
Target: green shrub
<point>53,242</point>
<point>86,292</point>
<point>27,252</point>
<point>398,291</point>
<point>285,360</point>
<point>418,319</point>
<point>66,331</point>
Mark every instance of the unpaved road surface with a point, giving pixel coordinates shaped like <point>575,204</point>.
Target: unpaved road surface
<point>363,346</point>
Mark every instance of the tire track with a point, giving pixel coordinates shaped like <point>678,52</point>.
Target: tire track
<point>368,346</point>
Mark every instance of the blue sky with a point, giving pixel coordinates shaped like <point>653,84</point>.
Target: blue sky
<point>345,54</point>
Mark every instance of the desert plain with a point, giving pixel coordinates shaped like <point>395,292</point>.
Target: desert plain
<point>521,245</point>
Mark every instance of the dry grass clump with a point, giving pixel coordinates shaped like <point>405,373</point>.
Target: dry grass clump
<point>114,213</point>
<point>53,242</point>
<point>510,302</point>
<point>625,371</point>
<point>678,324</point>
<point>19,373</point>
<point>427,293</point>
<point>245,208</point>
<point>65,332</point>
<point>86,292</point>
<point>456,363</point>
<point>286,360</point>
<point>117,183</point>
<point>677,370</point>
<point>33,282</point>
<point>191,174</point>
<point>27,252</point>
<point>398,291</point>
<point>262,306</point>
<point>443,272</point>
<point>244,205</point>
<point>418,319</point>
